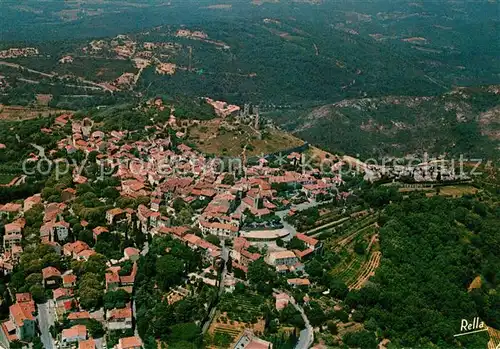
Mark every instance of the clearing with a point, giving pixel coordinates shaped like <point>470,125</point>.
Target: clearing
<point>19,113</point>
<point>219,138</point>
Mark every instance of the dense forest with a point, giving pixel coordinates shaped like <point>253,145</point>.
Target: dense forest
<point>459,122</point>
<point>432,250</point>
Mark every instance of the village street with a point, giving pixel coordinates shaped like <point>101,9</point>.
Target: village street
<point>45,320</point>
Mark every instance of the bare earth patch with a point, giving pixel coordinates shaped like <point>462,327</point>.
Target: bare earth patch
<point>19,113</point>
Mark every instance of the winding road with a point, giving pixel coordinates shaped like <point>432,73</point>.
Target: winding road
<point>306,338</point>
<point>45,320</point>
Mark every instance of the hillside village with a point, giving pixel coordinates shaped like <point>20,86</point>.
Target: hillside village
<point>136,230</point>
<point>154,188</point>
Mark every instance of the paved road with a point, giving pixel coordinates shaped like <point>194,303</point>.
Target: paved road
<point>290,228</point>
<point>225,256</point>
<point>45,320</point>
<point>17,66</point>
<point>145,248</point>
<point>306,338</point>
<point>144,251</point>
<point>299,207</point>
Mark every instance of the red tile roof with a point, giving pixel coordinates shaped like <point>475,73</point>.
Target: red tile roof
<point>21,312</point>
<point>50,272</point>
<point>62,292</point>
<point>178,231</point>
<point>11,207</point>
<point>88,344</point>
<point>131,251</point>
<point>129,342</point>
<point>299,282</point>
<point>124,313</point>
<point>69,279</point>
<point>307,239</point>
<point>23,297</point>
<point>75,331</point>
<point>76,247</point>
<point>79,315</point>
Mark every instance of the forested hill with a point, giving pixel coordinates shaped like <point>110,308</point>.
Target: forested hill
<point>370,78</point>
<point>432,250</point>
<point>279,52</point>
<point>464,121</point>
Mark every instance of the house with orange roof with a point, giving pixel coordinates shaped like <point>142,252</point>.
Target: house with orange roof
<point>112,279</point>
<point>88,344</point>
<point>22,319</point>
<point>26,300</point>
<point>298,282</point>
<point>8,334</point>
<point>98,231</point>
<point>131,253</point>
<point>14,228</point>
<point>303,254</point>
<point>50,229</point>
<point>78,315</point>
<point>69,280</point>
<point>51,277</point>
<point>144,215</point>
<point>63,119</point>
<point>224,230</point>
<point>74,249</point>
<point>212,252</point>
<point>310,242</point>
<point>175,232</point>
<point>133,187</point>
<point>116,281</point>
<point>10,210</point>
<point>119,319</point>
<point>284,261</point>
<point>249,341</point>
<point>282,300</point>
<point>78,179</point>
<point>11,240</point>
<point>32,201</point>
<point>62,294</point>
<point>16,252</point>
<point>73,335</point>
<point>114,215</point>
<point>85,255</point>
<point>129,343</point>
<point>53,211</point>
<point>240,254</point>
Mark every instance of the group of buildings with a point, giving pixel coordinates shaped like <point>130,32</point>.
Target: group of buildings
<point>165,174</point>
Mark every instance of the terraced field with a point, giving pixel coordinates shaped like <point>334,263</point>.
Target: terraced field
<point>348,270</point>
<point>349,231</point>
<point>366,272</point>
<point>243,308</point>
<point>232,331</point>
<point>356,268</point>
<point>494,341</point>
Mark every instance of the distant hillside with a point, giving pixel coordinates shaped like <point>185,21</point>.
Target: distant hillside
<point>464,121</point>
<point>275,53</point>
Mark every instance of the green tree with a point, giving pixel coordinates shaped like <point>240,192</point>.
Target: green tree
<point>116,299</point>
<point>213,239</point>
<point>170,270</point>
